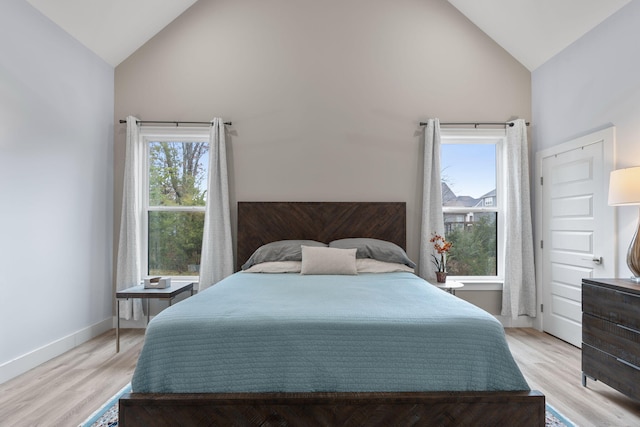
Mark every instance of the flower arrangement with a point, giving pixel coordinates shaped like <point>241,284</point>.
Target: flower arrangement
<point>442,247</point>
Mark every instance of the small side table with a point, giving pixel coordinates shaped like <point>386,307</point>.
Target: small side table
<point>450,286</point>
<point>140,292</point>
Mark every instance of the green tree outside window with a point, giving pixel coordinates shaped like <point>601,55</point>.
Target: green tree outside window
<point>177,196</point>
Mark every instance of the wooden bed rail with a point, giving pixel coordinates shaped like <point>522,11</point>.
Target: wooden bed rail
<point>334,409</point>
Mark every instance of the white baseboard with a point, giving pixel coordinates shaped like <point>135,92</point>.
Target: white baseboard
<point>26,362</point>
<point>132,324</point>
<point>520,322</point>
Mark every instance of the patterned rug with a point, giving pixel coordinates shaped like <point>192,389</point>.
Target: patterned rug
<point>107,415</point>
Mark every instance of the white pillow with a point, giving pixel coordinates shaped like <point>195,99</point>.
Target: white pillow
<point>369,265</point>
<point>275,267</point>
<point>319,260</point>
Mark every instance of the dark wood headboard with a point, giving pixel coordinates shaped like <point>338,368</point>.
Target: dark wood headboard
<point>263,222</point>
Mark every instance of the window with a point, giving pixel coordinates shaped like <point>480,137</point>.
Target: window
<point>472,202</point>
<point>174,197</point>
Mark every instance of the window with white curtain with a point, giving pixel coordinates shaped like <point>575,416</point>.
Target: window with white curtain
<point>472,171</point>
<point>174,191</point>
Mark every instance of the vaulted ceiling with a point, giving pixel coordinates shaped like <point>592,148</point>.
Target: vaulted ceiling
<point>113,29</point>
<point>532,31</point>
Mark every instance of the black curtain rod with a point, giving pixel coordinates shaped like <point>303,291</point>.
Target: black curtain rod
<point>178,123</point>
<point>475,124</point>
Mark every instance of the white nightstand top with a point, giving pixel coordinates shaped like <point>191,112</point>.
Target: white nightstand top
<point>450,285</point>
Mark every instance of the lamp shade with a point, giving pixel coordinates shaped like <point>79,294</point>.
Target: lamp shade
<point>624,187</point>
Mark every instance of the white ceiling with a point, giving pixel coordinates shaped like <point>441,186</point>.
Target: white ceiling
<point>532,31</point>
<point>113,29</point>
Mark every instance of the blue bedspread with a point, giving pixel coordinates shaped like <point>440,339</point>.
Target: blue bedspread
<point>291,333</point>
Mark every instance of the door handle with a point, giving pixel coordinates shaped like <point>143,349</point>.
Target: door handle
<point>597,261</point>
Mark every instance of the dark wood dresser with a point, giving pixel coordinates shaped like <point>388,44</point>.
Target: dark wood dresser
<point>611,334</point>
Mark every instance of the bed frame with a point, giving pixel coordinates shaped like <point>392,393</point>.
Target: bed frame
<point>263,222</point>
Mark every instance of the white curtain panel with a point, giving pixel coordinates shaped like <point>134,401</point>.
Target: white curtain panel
<point>432,220</point>
<point>128,270</point>
<point>519,293</point>
<point>216,261</point>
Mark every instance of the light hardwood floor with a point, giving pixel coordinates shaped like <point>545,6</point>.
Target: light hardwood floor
<point>554,367</point>
<point>67,389</point>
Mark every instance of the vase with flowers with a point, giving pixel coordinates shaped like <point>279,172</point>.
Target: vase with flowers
<point>442,247</point>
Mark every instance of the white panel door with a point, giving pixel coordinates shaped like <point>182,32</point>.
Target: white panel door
<point>577,230</point>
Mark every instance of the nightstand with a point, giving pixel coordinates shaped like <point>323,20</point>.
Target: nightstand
<point>140,292</point>
<point>450,286</point>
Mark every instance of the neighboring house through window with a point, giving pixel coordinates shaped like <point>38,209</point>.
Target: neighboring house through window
<point>473,202</point>
<point>174,194</point>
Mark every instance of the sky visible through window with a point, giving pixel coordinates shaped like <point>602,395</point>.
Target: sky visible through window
<point>469,169</point>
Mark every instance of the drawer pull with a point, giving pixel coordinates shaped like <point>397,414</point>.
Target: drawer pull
<point>631,365</point>
<point>626,328</point>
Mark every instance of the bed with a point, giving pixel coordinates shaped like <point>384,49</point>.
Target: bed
<point>322,349</point>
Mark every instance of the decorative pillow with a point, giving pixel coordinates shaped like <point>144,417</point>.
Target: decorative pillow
<point>369,265</point>
<point>318,260</point>
<point>282,250</point>
<point>375,249</point>
<point>276,267</point>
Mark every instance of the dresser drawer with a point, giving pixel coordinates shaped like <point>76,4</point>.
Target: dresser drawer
<point>611,371</point>
<point>619,341</point>
<point>617,306</point>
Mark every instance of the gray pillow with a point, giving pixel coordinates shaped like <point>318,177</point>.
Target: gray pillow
<point>375,249</point>
<point>282,250</point>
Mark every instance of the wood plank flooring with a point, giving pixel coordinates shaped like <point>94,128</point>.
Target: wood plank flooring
<point>67,389</point>
<point>554,367</point>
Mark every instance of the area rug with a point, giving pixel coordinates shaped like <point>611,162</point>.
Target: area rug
<point>107,414</point>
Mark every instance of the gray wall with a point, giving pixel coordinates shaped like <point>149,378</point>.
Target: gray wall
<point>593,84</point>
<point>56,187</point>
<point>326,96</point>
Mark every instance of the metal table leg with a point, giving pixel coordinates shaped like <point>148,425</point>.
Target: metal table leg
<point>117,325</point>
